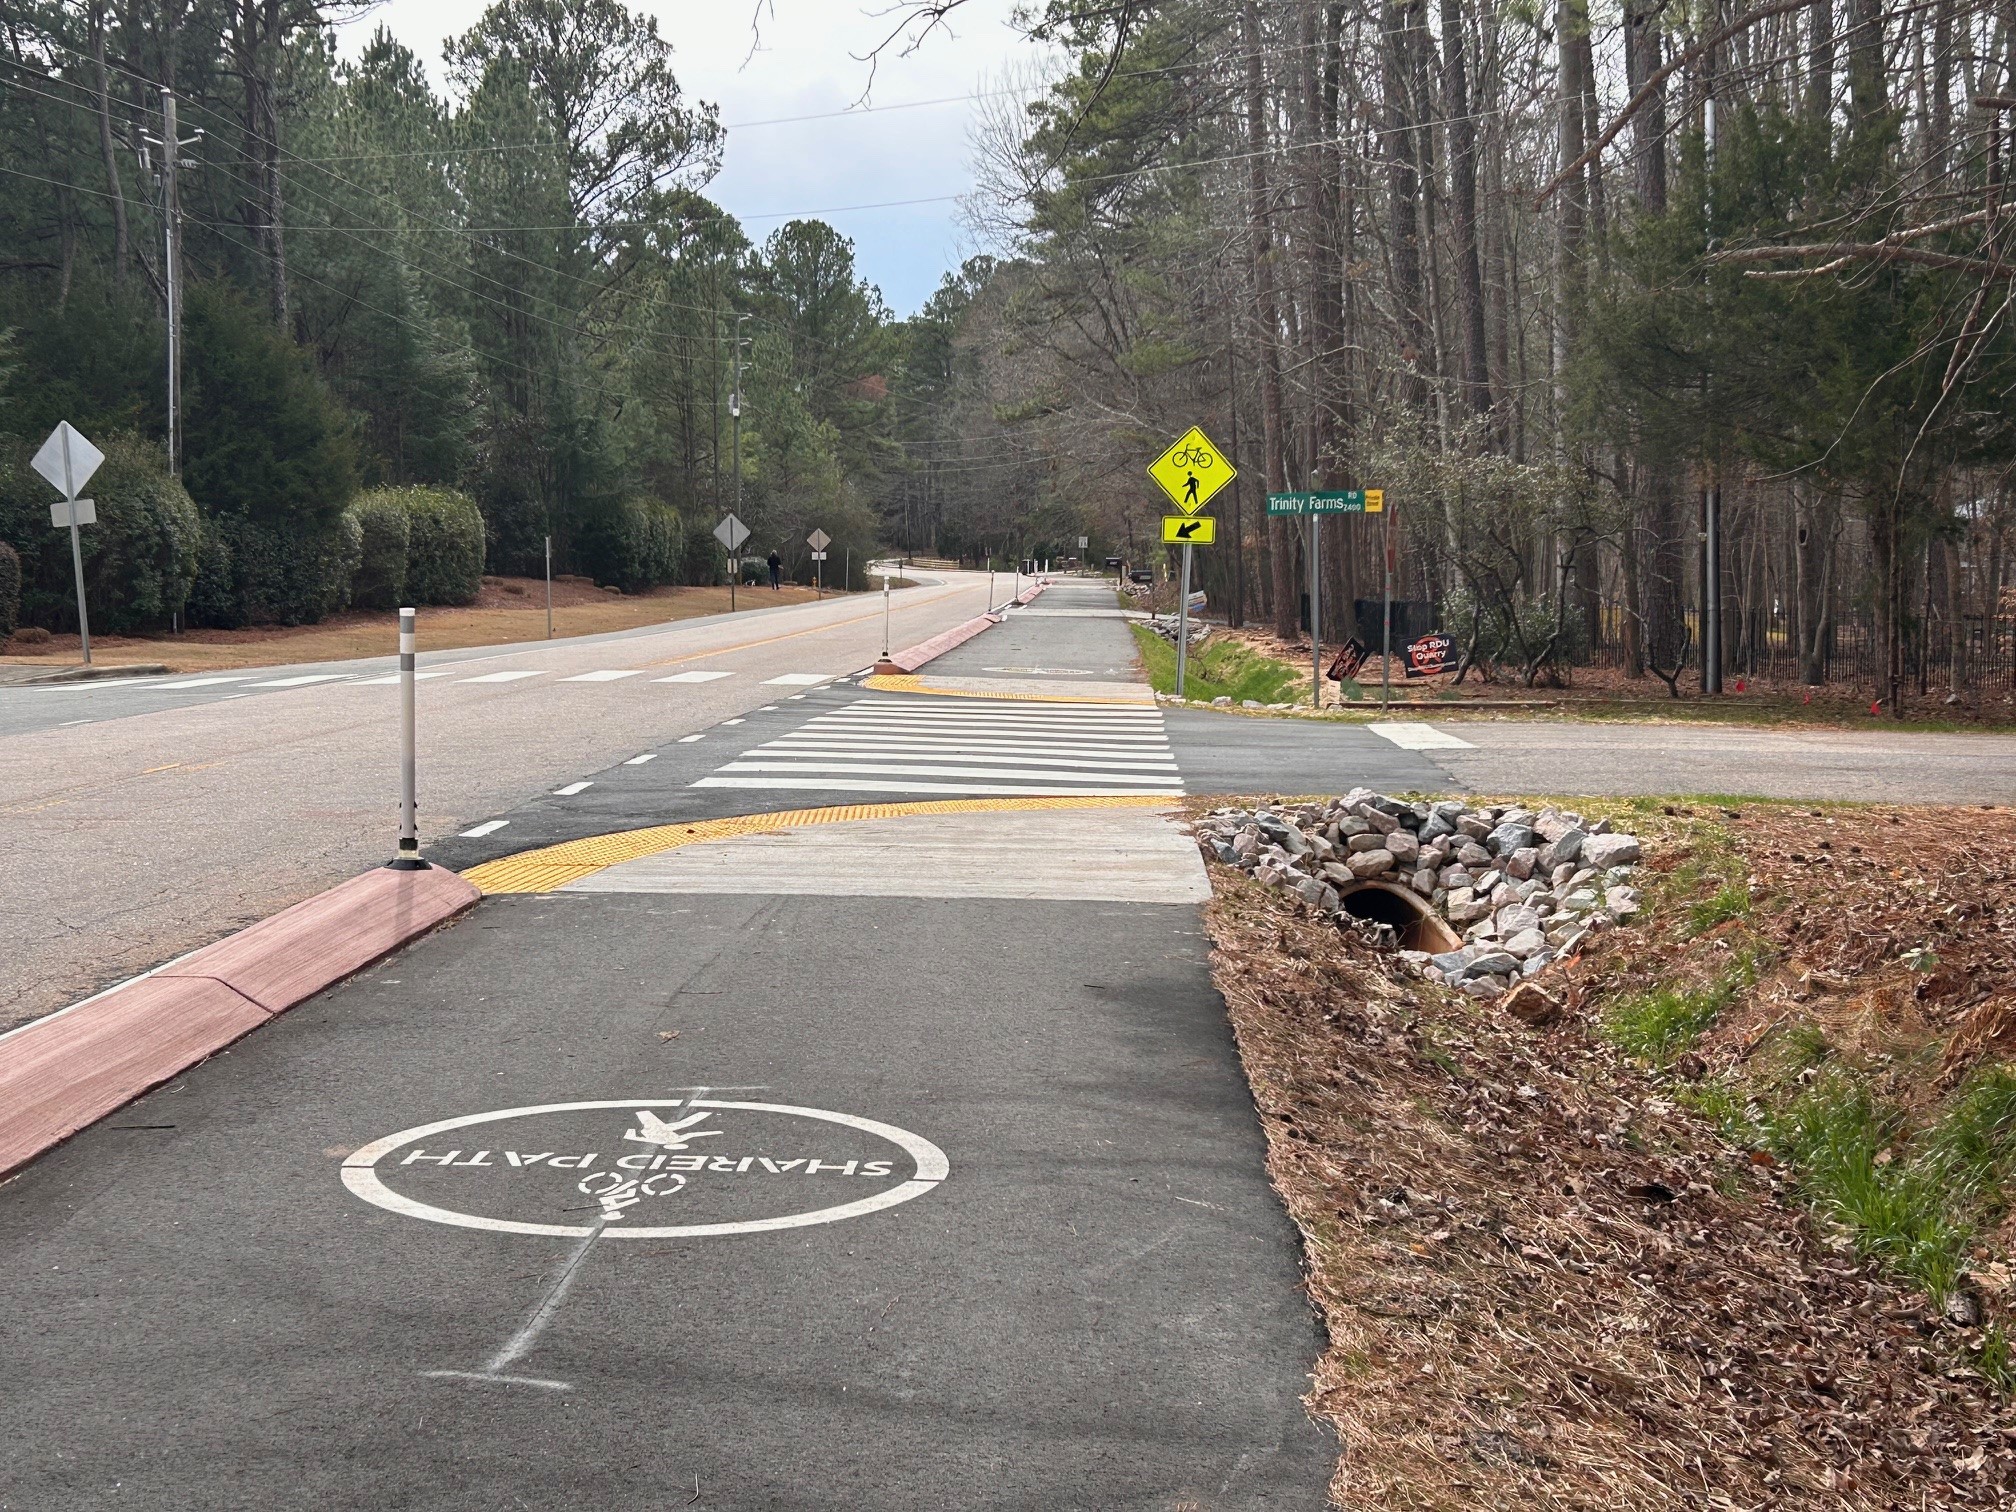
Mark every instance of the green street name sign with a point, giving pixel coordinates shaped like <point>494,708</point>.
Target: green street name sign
<point>1347,501</point>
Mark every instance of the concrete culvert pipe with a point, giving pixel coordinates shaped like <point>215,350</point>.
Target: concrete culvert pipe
<point>1419,926</point>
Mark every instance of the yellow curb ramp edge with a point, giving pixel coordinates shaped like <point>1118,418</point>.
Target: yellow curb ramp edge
<point>554,866</point>
<point>910,682</point>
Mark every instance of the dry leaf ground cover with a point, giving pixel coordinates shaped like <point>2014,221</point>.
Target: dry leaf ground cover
<point>1730,1232</point>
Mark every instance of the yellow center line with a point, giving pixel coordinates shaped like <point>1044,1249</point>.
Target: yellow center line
<point>168,768</point>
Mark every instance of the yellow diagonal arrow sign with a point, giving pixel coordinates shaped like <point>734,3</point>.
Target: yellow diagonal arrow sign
<point>1189,530</point>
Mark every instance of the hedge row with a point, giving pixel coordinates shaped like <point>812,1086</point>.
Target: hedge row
<point>420,546</point>
<point>140,558</point>
<point>10,590</point>
<point>635,544</point>
<point>152,559</point>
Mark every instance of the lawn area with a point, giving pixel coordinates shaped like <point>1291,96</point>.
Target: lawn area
<point>508,610</point>
<point>1220,668</point>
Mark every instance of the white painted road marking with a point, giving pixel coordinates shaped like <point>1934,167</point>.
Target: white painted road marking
<point>1005,747</point>
<point>971,789</point>
<point>607,676</point>
<point>502,677</point>
<point>361,1176</point>
<point>202,682</point>
<point>1411,735</point>
<point>797,680</point>
<point>689,739</point>
<point>393,679</point>
<point>693,677</point>
<point>298,682</point>
<point>640,760</point>
<point>487,827</point>
<point>571,789</point>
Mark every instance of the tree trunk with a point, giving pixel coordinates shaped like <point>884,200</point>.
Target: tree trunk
<point>107,148</point>
<point>1273,423</point>
<point>1403,187</point>
<point>1476,384</point>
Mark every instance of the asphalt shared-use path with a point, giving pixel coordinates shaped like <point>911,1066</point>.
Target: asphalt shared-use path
<point>896,1158</point>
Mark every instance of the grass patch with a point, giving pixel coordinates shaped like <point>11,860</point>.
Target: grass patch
<point>1660,1024</point>
<point>1222,668</point>
<point>1730,901</point>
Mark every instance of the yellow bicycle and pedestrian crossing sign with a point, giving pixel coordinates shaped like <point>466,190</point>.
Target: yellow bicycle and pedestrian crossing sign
<point>1192,470</point>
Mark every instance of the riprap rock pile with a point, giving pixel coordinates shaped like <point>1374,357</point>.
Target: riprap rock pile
<point>1522,888</point>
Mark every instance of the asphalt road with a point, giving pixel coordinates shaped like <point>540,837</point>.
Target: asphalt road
<point>151,829</point>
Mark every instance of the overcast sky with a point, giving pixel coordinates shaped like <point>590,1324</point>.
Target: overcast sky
<point>808,63</point>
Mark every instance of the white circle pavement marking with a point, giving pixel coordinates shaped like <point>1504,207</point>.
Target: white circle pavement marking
<point>360,1173</point>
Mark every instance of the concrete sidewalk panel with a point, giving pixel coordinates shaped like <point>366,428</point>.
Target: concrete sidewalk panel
<point>299,951</point>
<point>71,1069</point>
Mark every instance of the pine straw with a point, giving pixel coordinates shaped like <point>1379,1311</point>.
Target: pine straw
<point>1546,1285</point>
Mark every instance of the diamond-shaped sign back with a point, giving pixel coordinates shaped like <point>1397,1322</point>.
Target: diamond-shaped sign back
<point>67,460</point>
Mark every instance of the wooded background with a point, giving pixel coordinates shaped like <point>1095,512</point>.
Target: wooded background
<point>1546,275</point>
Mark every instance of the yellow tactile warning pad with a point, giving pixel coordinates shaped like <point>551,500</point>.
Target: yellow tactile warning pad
<point>554,866</point>
<point>910,682</point>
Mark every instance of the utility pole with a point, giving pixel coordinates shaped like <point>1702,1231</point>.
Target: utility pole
<point>735,409</point>
<point>171,145</point>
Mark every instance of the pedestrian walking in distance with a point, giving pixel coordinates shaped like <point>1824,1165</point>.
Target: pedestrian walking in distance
<point>776,570</point>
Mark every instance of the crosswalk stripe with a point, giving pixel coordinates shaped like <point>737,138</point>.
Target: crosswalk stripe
<point>194,682</point>
<point>502,677</point>
<point>911,745</point>
<point>392,679</point>
<point>1412,735</point>
<point>693,677</point>
<point>607,676</point>
<point>797,680</point>
<point>1046,715</point>
<point>993,732</point>
<point>897,746</point>
<point>1006,706</point>
<point>984,790</point>
<point>300,682</point>
<point>1000,758</point>
<point>897,769</point>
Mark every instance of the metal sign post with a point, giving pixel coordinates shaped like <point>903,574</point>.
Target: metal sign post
<point>67,461</point>
<point>885,616</point>
<point>1183,625</point>
<point>408,858</point>
<point>1315,614</point>
<point>818,541</point>
<point>1386,644</point>
<point>731,533</point>
<point>549,587</point>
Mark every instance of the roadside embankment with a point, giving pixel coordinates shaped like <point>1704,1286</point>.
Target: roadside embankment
<point>1714,1211</point>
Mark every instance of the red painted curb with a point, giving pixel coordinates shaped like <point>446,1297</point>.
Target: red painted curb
<point>64,1073</point>
<point>910,658</point>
